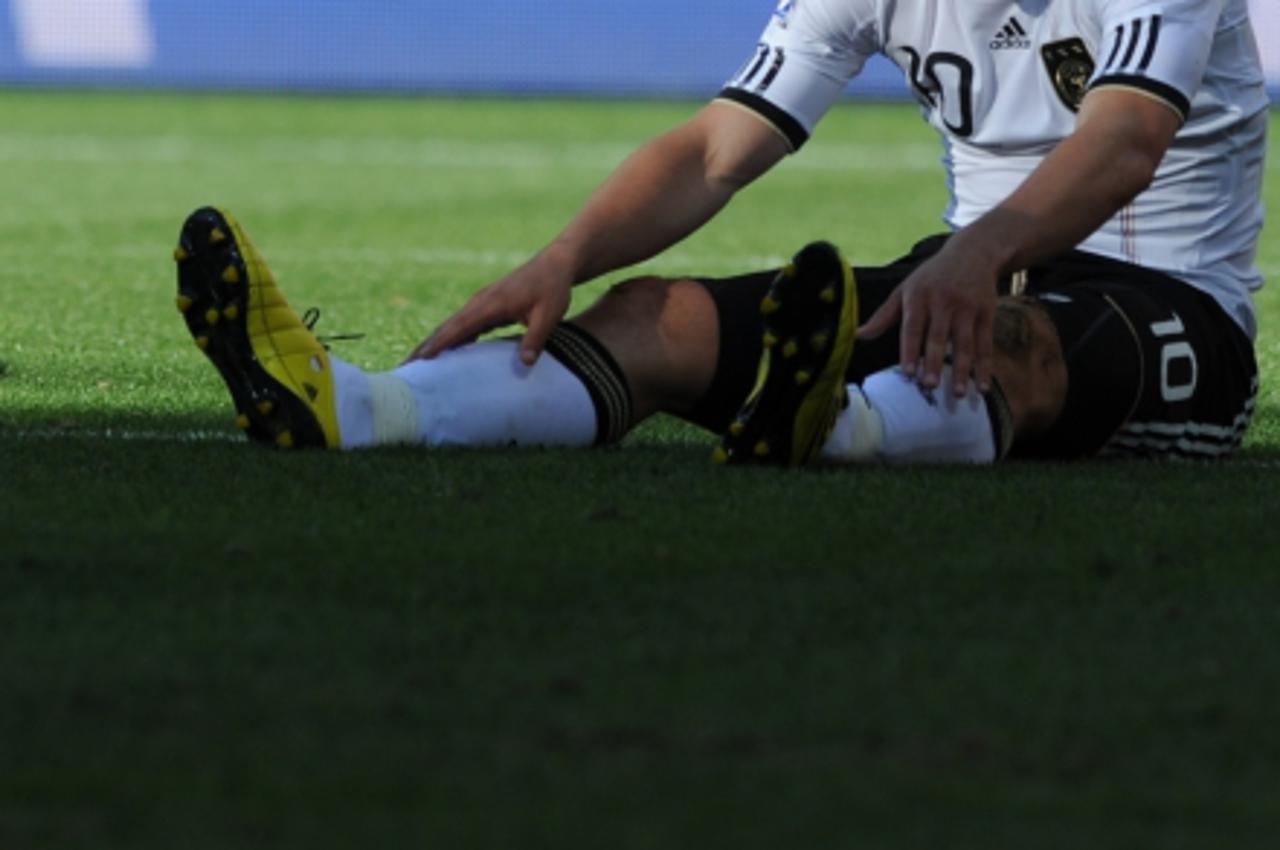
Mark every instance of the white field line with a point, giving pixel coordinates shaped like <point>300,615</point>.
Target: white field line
<point>690,262</point>
<point>687,262</point>
<point>427,152</point>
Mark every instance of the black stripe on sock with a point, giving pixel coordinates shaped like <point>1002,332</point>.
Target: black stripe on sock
<point>593,365</point>
<point>1001,419</point>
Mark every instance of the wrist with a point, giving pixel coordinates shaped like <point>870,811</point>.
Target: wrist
<point>561,259</point>
<point>992,245</point>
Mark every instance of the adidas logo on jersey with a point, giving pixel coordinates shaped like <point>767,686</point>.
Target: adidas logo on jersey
<point>1011,37</point>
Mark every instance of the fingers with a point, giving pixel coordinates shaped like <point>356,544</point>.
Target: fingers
<point>984,345</point>
<point>962,354</point>
<point>541,323</point>
<point>932,332</point>
<point>946,310</point>
<point>935,349</point>
<point>914,321</point>
<point>482,313</point>
<point>537,304</point>
<point>966,337</point>
<point>972,344</point>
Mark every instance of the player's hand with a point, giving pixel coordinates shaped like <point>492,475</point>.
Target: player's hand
<point>947,305</point>
<point>533,295</point>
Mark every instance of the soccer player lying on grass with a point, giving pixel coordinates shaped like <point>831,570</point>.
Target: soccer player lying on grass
<point>1106,160</point>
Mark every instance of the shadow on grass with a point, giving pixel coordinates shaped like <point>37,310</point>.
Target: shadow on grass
<point>665,440</point>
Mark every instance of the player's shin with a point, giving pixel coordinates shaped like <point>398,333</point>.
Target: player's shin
<point>484,395</point>
<point>891,418</point>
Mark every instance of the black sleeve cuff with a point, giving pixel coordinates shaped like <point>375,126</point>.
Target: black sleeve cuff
<point>789,127</point>
<point>1167,93</point>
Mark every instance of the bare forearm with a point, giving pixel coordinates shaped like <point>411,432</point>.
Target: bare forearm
<point>1085,181</point>
<point>657,197</point>
<point>949,301</point>
<point>663,192</point>
<point>1073,194</point>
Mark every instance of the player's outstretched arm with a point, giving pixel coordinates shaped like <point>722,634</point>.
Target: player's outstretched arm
<point>666,190</point>
<point>949,302</point>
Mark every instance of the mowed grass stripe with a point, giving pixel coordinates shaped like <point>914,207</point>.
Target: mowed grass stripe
<point>425,153</point>
<point>441,255</point>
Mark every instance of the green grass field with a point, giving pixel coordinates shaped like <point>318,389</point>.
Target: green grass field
<point>208,645</point>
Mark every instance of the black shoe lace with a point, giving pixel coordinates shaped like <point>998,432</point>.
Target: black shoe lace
<point>311,317</point>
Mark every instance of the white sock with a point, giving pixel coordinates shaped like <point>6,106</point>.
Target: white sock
<point>892,418</point>
<point>477,395</point>
<point>858,433</point>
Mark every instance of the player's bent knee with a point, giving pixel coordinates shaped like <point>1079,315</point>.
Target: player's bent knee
<point>638,298</point>
<point>664,333</point>
<point>1029,364</point>
<point>669,307</point>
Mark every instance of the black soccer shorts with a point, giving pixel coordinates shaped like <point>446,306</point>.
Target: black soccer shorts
<point>1154,366</point>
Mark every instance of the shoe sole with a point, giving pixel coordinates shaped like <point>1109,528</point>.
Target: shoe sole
<point>214,291</point>
<point>800,385</point>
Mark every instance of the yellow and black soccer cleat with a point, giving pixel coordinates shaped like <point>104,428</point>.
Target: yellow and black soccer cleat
<point>278,373</point>
<point>810,320</point>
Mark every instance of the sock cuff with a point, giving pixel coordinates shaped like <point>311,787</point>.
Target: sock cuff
<point>593,365</point>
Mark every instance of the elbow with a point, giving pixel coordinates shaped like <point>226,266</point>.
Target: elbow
<point>727,179</point>
<point>730,164</point>
<point>735,147</point>
<point>726,169</point>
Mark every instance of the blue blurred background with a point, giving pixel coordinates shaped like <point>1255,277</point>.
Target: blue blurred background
<point>588,47</point>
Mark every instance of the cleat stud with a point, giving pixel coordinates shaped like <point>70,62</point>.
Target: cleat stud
<point>828,295</point>
<point>202,343</point>
<point>719,455</point>
<point>770,339</point>
<point>284,440</point>
<point>242,422</point>
<point>265,408</point>
<point>803,377</point>
<point>212,316</point>
<point>791,349</point>
<point>789,270</point>
<point>180,254</point>
<point>216,236</point>
<point>232,312</point>
<point>819,342</point>
<point>737,429</point>
<point>231,275</point>
<point>762,449</point>
<point>184,303</point>
<point>769,305</point>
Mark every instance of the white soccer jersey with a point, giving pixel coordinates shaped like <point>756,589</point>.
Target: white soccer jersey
<point>1001,81</point>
